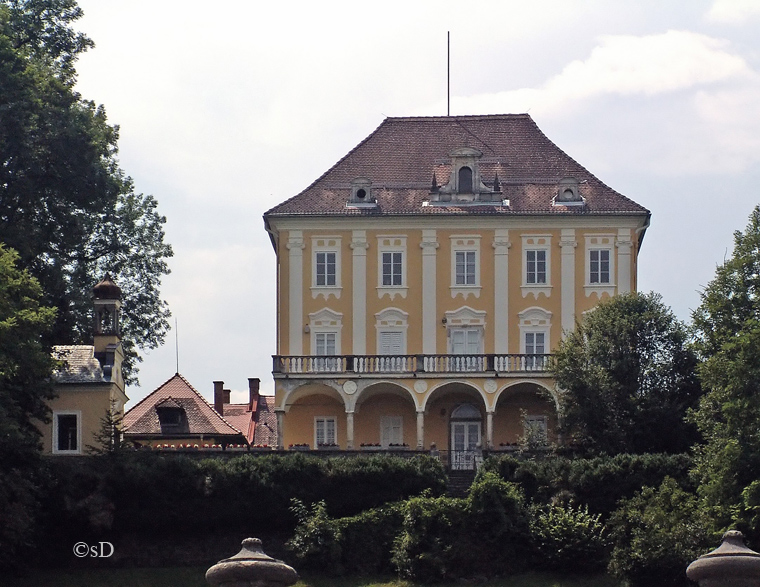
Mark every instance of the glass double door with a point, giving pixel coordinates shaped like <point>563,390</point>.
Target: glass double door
<point>465,445</point>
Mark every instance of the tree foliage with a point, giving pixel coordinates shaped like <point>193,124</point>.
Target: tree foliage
<point>65,205</point>
<point>628,378</point>
<point>25,371</point>
<point>727,323</point>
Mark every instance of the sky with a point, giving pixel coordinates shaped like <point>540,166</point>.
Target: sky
<point>228,108</point>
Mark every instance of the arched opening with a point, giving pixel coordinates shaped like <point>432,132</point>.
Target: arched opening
<point>465,180</point>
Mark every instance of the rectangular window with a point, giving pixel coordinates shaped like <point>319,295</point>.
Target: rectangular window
<point>535,271</point>
<point>535,344</point>
<point>465,341</point>
<point>465,268</point>
<point>392,268</point>
<point>599,266</point>
<point>391,430</point>
<point>325,269</point>
<point>325,343</point>
<point>324,431</point>
<point>391,343</point>
<point>67,433</point>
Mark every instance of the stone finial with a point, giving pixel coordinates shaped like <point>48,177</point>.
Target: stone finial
<point>732,564</point>
<point>251,567</point>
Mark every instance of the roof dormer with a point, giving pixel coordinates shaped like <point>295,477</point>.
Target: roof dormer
<point>361,194</point>
<point>568,193</point>
<point>465,182</point>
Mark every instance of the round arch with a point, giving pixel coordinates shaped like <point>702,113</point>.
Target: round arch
<point>312,388</point>
<point>377,388</point>
<point>520,385</point>
<point>447,387</point>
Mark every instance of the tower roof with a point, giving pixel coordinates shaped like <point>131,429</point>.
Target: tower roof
<point>106,289</point>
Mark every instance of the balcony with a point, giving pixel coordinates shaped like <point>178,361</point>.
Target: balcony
<point>409,365</point>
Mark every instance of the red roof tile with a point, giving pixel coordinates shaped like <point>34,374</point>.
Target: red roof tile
<point>142,419</point>
<point>401,156</point>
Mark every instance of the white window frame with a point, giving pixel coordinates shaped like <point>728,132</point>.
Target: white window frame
<point>534,320</point>
<point>321,422</point>
<point>325,245</point>
<point>465,244</point>
<point>600,242</point>
<point>326,322</point>
<point>391,422</point>
<point>537,242</point>
<point>78,415</point>
<point>390,244</point>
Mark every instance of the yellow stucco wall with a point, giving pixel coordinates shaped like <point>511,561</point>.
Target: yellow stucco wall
<point>90,402</point>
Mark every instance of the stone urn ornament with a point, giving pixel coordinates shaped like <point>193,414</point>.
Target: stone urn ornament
<point>732,564</point>
<point>251,567</point>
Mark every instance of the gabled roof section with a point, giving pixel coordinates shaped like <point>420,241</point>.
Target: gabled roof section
<point>143,419</point>
<point>79,364</point>
<point>404,157</point>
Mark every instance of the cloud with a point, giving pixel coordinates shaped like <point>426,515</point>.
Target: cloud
<point>733,11</point>
<point>622,65</point>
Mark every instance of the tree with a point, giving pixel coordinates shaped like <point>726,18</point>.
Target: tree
<point>26,367</point>
<point>727,324</point>
<point>65,205</point>
<point>627,377</point>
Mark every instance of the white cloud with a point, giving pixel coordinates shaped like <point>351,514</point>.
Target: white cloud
<point>733,11</point>
<point>622,65</point>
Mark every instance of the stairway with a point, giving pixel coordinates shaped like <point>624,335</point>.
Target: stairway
<point>459,482</point>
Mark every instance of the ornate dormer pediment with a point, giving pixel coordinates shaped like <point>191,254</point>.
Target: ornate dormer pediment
<point>465,183</point>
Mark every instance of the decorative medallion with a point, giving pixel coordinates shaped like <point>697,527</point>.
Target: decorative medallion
<point>420,386</point>
<point>490,386</point>
<point>349,387</point>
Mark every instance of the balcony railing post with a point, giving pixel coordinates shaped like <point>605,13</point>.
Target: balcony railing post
<point>350,363</point>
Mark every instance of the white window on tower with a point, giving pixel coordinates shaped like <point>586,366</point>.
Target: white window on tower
<point>325,431</point>
<point>67,433</point>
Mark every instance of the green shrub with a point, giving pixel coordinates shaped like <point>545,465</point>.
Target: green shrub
<point>367,540</point>
<point>568,539</point>
<point>431,545</point>
<point>657,533</point>
<point>598,483</point>
<point>316,541</point>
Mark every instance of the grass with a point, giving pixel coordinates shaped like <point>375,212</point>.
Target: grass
<point>194,577</point>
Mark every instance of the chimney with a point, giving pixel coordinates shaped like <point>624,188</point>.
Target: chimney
<point>226,396</point>
<point>219,397</point>
<point>253,391</point>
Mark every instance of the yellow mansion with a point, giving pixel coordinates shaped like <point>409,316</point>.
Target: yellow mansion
<point>424,279</point>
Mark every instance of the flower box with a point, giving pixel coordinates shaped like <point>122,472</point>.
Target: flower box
<point>299,447</point>
<point>370,448</point>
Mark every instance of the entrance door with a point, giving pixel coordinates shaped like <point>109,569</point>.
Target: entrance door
<point>465,441</point>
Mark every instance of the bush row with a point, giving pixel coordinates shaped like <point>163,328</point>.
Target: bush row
<point>599,483</point>
<point>152,493</point>
<point>430,539</point>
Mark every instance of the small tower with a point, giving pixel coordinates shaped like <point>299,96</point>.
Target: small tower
<point>106,299</point>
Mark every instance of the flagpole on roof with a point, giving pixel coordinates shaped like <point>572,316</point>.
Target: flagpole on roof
<point>448,73</point>
<point>176,343</point>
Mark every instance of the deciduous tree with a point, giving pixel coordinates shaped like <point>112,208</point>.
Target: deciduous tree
<point>627,377</point>
<point>727,323</point>
<point>26,367</point>
<point>65,205</point>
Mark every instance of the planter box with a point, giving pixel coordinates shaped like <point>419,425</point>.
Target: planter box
<point>370,448</point>
<point>333,448</point>
<point>300,448</point>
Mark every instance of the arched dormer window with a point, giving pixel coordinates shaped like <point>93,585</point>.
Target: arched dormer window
<point>465,180</point>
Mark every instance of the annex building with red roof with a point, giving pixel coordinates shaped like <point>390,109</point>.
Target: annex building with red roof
<point>424,279</point>
<point>177,414</point>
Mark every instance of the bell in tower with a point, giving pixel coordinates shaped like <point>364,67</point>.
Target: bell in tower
<point>107,301</point>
